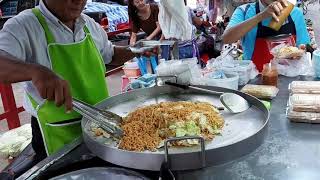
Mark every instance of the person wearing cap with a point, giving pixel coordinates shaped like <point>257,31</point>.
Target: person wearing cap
<point>61,54</point>
<point>249,23</point>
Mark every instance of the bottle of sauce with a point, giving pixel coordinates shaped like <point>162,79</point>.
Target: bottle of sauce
<point>270,75</point>
<point>283,15</point>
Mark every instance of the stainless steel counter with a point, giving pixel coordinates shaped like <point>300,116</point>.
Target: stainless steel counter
<point>291,150</point>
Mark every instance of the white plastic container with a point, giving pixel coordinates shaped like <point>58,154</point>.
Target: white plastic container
<point>131,69</point>
<point>230,82</point>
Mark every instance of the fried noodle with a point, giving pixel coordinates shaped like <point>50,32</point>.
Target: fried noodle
<point>147,126</point>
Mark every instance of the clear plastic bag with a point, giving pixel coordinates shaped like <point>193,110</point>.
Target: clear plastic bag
<point>245,69</point>
<point>306,117</point>
<point>173,20</point>
<point>284,51</point>
<point>261,91</point>
<point>301,65</point>
<point>304,105</point>
<point>14,141</point>
<point>185,69</point>
<point>227,80</point>
<point>304,102</point>
<point>304,87</point>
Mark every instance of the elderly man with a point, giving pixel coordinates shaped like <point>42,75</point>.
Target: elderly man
<point>249,23</point>
<point>60,53</point>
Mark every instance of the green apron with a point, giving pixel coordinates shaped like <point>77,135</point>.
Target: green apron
<point>82,66</point>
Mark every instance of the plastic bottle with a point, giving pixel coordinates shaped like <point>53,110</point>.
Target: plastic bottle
<point>283,15</point>
<point>270,75</point>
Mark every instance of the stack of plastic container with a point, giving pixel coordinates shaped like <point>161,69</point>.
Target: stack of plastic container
<point>131,72</point>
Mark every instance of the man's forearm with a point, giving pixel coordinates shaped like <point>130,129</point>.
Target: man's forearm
<point>121,55</point>
<point>235,33</point>
<point>13,70</point>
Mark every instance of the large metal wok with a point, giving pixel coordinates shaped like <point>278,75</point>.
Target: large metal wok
<point>242,132</point>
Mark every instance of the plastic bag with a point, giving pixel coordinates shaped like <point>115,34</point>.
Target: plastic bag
<point>286,66</point>
<point>304,87</point>
<point>184,69</point>
<point>220,79</point>
<point>147,80</point>
<point>306,117</point>
<point>304,102</point>
<point>261,91</point>
<point>246,70</point>
<point>284,51</point>
<point>14,141</point>
<point>173,20</point>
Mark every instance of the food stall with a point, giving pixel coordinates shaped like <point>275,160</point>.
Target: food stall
<point>261,141</point>
<point>287,151</point>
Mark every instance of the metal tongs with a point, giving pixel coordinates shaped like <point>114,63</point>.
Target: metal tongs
<point>107,120</point>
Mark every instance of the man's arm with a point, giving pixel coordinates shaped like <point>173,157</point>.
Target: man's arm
<point>303,37</point>
<point>121,55</point>
<point>236,32</point>
<point>13,70</point>
<point>49,85</point>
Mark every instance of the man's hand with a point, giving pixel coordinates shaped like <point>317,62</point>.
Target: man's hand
<point>51,87</point>
<point>274,9</point>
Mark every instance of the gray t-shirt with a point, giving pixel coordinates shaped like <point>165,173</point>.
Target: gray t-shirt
<point>23,37</point>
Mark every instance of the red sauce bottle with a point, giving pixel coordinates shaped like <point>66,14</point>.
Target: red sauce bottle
<point>270,75</point>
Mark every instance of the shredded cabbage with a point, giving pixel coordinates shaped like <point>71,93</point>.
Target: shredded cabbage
<point>180,132</point>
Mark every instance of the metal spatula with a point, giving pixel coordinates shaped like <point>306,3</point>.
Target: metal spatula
<point>107,120</point>
<point>233,102</point>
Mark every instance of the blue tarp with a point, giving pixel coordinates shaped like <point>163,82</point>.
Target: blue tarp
<point>116,13</point>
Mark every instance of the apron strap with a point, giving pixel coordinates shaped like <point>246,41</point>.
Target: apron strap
<point>259,30</point>
<point>42,21</point>
<point>86,30</point>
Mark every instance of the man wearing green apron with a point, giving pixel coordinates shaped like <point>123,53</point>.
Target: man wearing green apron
<point>60,53</point>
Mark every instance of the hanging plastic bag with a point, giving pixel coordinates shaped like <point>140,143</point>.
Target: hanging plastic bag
<point>173,20</point>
